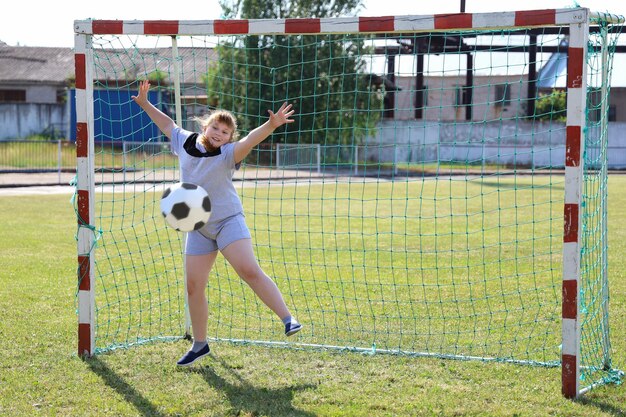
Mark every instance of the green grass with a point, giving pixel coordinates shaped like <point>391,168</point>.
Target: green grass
<point>40,373</point>
<point>46,155</point>
<point>408,266</point>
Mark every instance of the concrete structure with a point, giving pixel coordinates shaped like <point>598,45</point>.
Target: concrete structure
<point>512,143</point>
<point>493,98</point>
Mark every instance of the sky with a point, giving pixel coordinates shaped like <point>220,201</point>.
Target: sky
<point>50,23</point>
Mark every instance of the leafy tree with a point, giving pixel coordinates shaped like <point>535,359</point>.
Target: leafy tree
<point>158,77</point>
<point>323,76</point>
<point>551,106</point>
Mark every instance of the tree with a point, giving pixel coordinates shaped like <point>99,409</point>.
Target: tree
<point>323,76</point>
<point>551,106</point>
<point>158,77</point>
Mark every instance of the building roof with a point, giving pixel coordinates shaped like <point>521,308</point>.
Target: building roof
<point>45,65</point>
<point>37,65</point>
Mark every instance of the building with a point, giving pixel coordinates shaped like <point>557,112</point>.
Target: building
<point>36,87</point>
<point>33,90</point>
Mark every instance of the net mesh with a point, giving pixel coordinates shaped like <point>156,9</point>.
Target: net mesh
<point>418,207</point>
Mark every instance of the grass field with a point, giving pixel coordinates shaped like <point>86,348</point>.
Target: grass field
<point>40,373</point>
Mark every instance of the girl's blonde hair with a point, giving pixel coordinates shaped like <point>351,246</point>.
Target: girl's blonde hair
<point>221,116</point>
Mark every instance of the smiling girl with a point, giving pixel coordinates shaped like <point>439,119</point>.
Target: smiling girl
<point>209,159</point>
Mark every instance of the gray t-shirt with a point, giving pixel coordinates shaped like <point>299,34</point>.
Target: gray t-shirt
<point>212,171</point>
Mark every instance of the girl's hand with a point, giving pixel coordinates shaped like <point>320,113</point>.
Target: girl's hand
<point>142,97</point>
<point>281,116</point>
<point>162,120</point>
<point>258,135</point>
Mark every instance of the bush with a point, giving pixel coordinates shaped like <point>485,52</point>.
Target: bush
<point>551,106</point>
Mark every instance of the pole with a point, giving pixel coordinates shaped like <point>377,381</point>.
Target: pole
<point>179,122</point>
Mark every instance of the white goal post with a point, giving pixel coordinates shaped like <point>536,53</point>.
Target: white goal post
<point>299,156</point>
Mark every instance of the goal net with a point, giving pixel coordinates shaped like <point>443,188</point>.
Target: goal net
<point>443,191</point>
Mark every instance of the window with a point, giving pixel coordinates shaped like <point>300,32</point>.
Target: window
<point>11,96</point>
<point>458,97</point>
<point>61,96</point>
<point>502,95</point>
<point>612,113</point>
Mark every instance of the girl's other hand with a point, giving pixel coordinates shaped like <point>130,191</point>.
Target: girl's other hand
<point>281,116</point>
<point>142,97</point>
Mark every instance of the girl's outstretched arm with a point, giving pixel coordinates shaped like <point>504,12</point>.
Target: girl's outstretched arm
<point>258,135</point>
<point>162,120</point>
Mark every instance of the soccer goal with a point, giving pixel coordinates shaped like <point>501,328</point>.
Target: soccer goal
<point>294,155</point>
<point>446,195</point>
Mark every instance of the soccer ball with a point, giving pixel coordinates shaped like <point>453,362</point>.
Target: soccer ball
<point>185,206</point>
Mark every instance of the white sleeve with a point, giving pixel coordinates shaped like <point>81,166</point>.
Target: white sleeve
<point>179,135</point>
<point>229,154</point>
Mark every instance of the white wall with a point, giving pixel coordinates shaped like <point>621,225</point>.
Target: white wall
<point>20,120</point>
<point>537,144</point>
<point>440,101</point>
<point>441,98</point>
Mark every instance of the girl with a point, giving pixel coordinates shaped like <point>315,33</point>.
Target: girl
<point>208,159</point>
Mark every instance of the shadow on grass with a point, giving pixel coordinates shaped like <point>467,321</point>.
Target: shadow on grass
<point>503,185</point>
<point>130,394</point>
<point>610,409</point>
<point>246,398</point>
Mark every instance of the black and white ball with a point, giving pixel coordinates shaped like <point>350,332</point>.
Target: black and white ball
<point>185,206</point>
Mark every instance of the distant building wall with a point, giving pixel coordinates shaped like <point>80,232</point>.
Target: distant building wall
<point>618,99</point>
<point>20,120</point>
<point>493,98</point>
<point>444,101</point>
<point>529,144</point>
<point>37,93</point>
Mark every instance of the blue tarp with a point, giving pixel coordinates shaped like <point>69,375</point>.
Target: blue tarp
<point>118,118</point>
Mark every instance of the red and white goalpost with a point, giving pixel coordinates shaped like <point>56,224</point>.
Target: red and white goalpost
<point>85,186</point>
<point>577,20</point>
<point>576,104</point>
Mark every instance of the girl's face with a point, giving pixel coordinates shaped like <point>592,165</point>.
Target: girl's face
<point>218,133</point>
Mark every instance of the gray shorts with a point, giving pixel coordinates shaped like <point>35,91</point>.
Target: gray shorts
<point>217,236</point>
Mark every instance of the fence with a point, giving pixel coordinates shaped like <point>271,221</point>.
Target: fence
<point>40,156</point>
<point>59,156</point>
<point>127,160</point>
<point>21,120</point>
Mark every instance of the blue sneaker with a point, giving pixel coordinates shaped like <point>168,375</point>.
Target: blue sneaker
<point>292,327</point>
<point>191,356</point>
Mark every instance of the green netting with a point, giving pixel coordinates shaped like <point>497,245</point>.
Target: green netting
<point>595,341</point>
<point>415,207</point>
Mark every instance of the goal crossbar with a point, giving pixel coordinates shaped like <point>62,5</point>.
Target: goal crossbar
<point>385,24</point>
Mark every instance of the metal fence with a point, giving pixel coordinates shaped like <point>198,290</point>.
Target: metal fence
<point>37,162</point>
<point>56,159</point>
